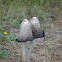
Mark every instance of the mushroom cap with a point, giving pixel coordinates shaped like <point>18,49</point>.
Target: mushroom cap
<point>25,33</point>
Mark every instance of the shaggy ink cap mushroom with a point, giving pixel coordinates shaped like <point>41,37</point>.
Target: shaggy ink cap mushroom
<point>36,29</point>
<point>25,33</point>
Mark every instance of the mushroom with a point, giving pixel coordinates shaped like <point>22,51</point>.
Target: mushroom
<point>25,35</point>
<point>36,29</point>
<point>37,32</point>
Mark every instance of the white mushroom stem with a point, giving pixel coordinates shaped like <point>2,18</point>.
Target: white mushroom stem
<point>29,51</point>
<point>24,51</point>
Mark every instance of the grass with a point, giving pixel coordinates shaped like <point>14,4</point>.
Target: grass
<point>45,26</point>
<point>14,11</point>
<point>3,53</point>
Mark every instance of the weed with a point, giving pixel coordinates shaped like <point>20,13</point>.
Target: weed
<point>3,53</point>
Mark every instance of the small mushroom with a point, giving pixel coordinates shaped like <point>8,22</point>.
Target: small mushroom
<point>36,29</point>
<point>25,35</point>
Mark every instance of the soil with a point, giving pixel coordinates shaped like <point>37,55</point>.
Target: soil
<point>49,50</point>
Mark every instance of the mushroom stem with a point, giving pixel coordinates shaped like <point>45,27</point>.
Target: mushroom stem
<point>24,51</point>
<point>43,39</point>
<point>29,51</point>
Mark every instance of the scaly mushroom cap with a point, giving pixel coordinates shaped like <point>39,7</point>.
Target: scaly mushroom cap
<point>25,33</point>
<point>36,29</point>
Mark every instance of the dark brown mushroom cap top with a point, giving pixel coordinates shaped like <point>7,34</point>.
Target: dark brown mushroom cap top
<point>25,33</point>
<point>36,29</point>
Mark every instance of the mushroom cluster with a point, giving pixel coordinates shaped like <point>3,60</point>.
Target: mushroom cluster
<point>29,30</point>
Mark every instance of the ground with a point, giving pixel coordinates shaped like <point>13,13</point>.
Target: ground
<point>48,51</point>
